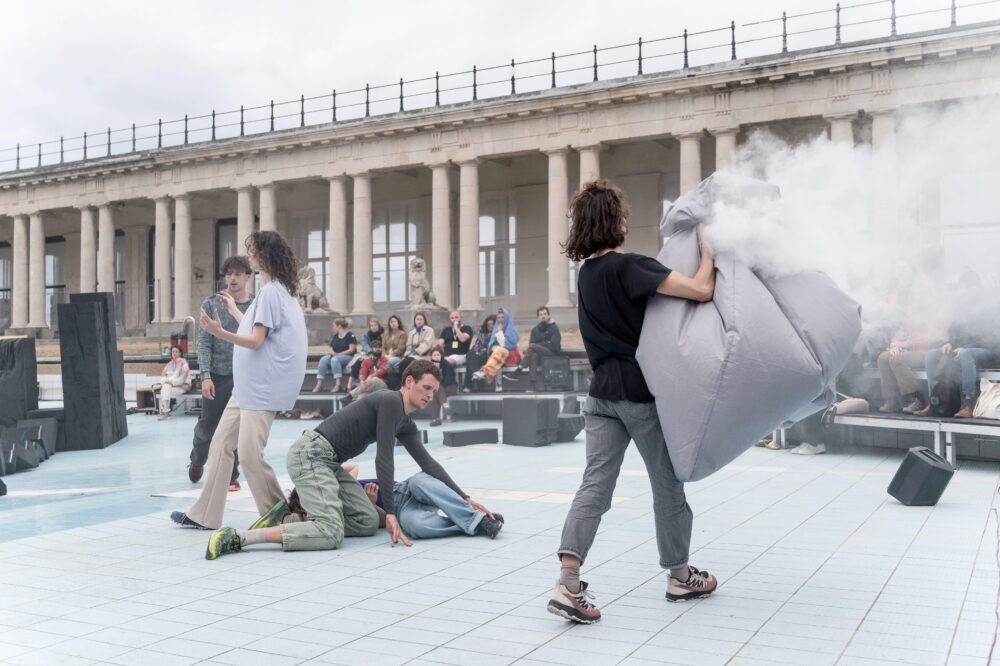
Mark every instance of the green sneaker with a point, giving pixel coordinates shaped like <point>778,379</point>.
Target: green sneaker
<point>273,517</point>
<point>222,542</point>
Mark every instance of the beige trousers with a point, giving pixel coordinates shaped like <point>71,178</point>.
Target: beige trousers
<point>245,431</point>
<point>166,393</point>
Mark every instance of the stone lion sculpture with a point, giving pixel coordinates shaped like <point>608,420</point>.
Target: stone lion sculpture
<point>420,288</point>
<point>311,297</point>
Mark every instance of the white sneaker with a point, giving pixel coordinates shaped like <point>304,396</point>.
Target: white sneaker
<point>807,449</point>
<point>479,375</point>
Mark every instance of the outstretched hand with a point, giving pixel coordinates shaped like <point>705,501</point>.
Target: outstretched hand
<point>395,531</point>
<point>211,324</point>
<point>478,507</point>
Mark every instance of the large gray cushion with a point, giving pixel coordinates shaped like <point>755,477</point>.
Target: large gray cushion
<point>764,351</point>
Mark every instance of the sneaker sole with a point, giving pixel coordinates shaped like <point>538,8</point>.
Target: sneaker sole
<point>690,596</point>
<point>570,614</point>
<point>213,540</point>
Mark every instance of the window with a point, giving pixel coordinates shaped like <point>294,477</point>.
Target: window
<point>497,247</point>
<point>6,282</point>
<point>55,277</point>
<point>120,276</point>
<point>225,247</point>
<point>396,235</point>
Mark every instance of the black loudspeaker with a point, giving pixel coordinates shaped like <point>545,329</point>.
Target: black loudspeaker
<point>555,373</point>
<point>569,426</point>
<point>467,437</point>
<point>60,416</point>
<point>922,478</point>
<point>48,432</point>
<point>92,372</point>
<point>18,379</point>
<point>530,422</point>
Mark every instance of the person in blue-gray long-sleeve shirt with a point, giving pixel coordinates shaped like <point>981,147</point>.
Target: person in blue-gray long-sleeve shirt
<point>215,362</point>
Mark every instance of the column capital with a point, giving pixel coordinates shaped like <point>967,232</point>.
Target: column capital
<point>597,147</point>
<point>446,164</point>
<point>847,115</point>
<point>183,196</point>
<point>696,134</point>
<point>562,150</point>
<point>242,188</point>
<point>339,178</point>
<point>723,131</point>
<point>267,186</point>
<point>22,216</point>
<point>85,207</point>
<point>360,175</point>
<point>472,161</point>
<point>160,197</point>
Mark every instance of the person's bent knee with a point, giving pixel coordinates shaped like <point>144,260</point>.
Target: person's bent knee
<point>368,524</point>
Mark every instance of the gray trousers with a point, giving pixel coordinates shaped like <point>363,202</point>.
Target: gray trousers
<point>610,427</point>
<point>208,421</point>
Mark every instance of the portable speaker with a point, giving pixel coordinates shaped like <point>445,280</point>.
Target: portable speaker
<point>555,373</point>
<point>467,437</point>
<point>921,478</point>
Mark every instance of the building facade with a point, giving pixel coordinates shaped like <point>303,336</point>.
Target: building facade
<point>479,190</point>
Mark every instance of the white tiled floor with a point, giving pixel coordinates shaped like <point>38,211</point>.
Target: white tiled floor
<point>818,566</point>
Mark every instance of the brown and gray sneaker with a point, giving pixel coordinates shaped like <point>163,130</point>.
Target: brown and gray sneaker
<point>698,585</point>
<point>574,607</point>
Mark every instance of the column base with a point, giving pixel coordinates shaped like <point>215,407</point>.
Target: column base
<point>37,332</point>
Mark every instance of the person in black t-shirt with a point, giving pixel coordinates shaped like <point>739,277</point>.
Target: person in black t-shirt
<point>612,289</point>
<point>343,345</point>
<point>455,340</point>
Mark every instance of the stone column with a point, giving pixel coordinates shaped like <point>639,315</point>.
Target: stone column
<point>336,286</point>
<point>590,163</point>
<point>884,216</point>
<point>558,282</point>
<point>19,306</point>
<point>106,248</point>
<point>268,207</point>
<point>163,286</point>
<point>441,233</point>
<point>244,217</point>
<point>842,129</point>
<point>136,305</point>
<point>725,147</point>
<point>468,236</point>
<point>88,251</point>
<point>182,256</point>
<point>36,270</point>
<point>364,305</point>
<point>690,161</point>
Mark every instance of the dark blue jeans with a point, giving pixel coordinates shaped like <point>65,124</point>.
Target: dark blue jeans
<point>969,359</point>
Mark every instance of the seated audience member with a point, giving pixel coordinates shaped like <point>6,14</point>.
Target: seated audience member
<point>421,338</point>
<point>336,506</point>
<point>503,348</point>
<point>973,343</point>
<point>374,332</point>
<point>545,340</point>
<point>420,501</point>
<point>375,364</point>
<point>343,344</point>
<point>479,351</point>
<point>901,390</point>
<point>394,340</point>
<point>455,340</point>
<point>176,380</point>
<point>449,386</point>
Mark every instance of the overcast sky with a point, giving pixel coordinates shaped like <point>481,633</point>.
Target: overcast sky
<point>71,66</point>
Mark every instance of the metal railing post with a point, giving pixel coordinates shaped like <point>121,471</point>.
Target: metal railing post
<point>475,94</point>
<point>595,62</point>
<point>39,154</point>
<point>401,93</point>
<point>837,37</point>
<point>109,142</point>
<point>513,90</point>
<point>892,29</point>
<point>685,48</point>
<point>60,150</point>
<point>334,105</point>
<point>953,14</point>
<point>159,133</point>
<point>640,56</point>
<point>732,32</point>
<point>272,115</point>
<point>437,89</point>
<point>241,120</point>
<point>84,145</point>
<point>213,124</point>
<point>367,99</point>
<point>17,158</point>
<point>784,32</point>
<point>553,69</point>
<point>185,129</point>
<point>133,137</point>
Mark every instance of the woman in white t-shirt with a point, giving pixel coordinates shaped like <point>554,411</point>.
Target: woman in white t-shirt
<point>269,363</point>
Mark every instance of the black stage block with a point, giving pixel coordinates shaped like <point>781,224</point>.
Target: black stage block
<point>21,450</point>
<point>555,373</point>
<point>569,426</point>
<point>3,488</point>
<point>530,422</point>
<point>922,478</point>
<point>18,379</point>
<point>467,437</point>
<point>92,372</point>
<point>48,432</point>
<point>60,416</point>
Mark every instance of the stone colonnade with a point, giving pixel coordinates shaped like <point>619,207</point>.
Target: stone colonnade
<point>172,268</point>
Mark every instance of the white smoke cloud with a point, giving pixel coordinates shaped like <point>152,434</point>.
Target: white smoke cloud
<point>941,252</point>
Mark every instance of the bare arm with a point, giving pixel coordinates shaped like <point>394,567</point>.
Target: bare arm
<point>214,326</point>
<point>700,287</point>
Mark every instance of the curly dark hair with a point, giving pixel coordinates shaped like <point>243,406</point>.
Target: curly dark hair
<point>419,368</point>
<point>275,256</point>
<point>598,211</point>
<point>236,264</point>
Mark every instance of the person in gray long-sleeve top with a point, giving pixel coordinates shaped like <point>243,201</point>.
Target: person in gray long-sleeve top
<point>215,363</point>
<point>335,505</point>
